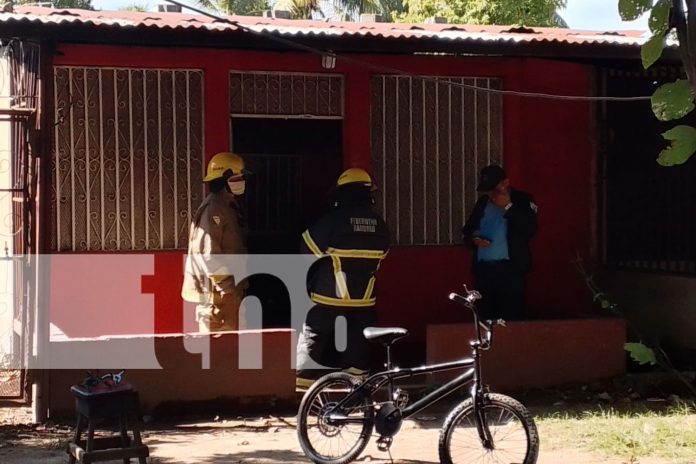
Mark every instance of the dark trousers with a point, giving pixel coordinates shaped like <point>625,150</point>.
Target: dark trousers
<point>502,287</point>
<point>317,341</point>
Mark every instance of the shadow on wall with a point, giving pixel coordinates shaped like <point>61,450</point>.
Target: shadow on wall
<point>662,307</point>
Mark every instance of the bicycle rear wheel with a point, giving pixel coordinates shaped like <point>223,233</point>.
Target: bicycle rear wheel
<point>326,443</point>
<point>515,436</point>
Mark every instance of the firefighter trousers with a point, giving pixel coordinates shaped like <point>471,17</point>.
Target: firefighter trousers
<point>221,315</point>
<point>319,342</point>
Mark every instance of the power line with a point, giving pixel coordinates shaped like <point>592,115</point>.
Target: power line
<point>387,69</point>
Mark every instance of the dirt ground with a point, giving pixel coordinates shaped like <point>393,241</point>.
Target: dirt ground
<point>263,440</point>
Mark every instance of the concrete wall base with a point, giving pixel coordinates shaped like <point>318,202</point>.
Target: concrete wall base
<point>533,354</point>
<point>182,385</point>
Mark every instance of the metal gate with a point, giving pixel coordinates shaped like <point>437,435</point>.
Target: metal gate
<point>19,71</point>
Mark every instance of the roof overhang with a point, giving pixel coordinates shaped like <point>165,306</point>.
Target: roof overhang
<point>256,33</point>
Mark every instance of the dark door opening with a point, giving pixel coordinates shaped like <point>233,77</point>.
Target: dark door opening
<point>295,163</point>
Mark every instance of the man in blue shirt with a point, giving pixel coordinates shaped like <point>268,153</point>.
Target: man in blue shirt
<point>498,231</point>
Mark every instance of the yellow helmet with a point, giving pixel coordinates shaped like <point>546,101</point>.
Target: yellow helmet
<point>220,164</point>
<point>355,175</point>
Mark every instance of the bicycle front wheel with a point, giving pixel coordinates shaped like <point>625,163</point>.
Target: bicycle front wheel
<point>324,441</point>
<point>515,436</point>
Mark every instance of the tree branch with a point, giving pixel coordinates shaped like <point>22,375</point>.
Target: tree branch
<point>691,35</point>
<point>685,46</point>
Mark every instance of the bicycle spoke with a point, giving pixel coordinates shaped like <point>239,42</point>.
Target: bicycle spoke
<point>507,431</point>
<point>334,439</point>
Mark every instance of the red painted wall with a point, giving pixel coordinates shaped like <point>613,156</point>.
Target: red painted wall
<point>548,358</point>
<point>555,162</point>
<point>548,151</point>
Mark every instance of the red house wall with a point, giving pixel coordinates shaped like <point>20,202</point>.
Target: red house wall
<point>547,151</point>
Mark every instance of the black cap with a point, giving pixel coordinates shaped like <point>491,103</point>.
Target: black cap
<point>490,177</point>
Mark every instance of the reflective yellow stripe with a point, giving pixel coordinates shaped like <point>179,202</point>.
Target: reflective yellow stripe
<point>329,301</point>
<point>220,274</point>
<point>340,278</point>
<point>303,383</point>
<point>370,288</point>
<point>368,254</point>
<point>314,248</point>
<point>356,372</point>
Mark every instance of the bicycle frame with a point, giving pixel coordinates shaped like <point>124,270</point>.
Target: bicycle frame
<point>376,381</point>
<point>473,374</point>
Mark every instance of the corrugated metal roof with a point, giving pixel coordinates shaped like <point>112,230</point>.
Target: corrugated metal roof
<point>307,28</point>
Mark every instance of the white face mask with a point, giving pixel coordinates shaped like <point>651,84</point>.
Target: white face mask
<point>237,187</point>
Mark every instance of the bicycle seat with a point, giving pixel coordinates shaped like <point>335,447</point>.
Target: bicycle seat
<point>384,335</point>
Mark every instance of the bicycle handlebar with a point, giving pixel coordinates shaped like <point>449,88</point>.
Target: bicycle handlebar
<point>469,300</point>
<point>472,296</point>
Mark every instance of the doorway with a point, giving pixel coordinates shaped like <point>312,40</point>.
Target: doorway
<point>295,164</point>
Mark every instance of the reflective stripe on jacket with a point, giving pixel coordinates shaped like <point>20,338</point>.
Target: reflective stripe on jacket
<point>350,242</point>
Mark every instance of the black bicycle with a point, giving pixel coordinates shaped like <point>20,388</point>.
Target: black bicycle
<point>339,412</point>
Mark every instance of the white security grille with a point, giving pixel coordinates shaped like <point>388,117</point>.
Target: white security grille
<point>287,95</point>
<point>429,140</point>
<point>128,157</point>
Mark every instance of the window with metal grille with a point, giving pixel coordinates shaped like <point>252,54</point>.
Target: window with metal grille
<point>291,95</point>
<point>128,158</point>
<point>429,140</point>
<point>647,209</point>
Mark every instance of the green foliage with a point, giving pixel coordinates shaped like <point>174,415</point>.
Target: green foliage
<point>627,432</point>
<point>300,9</point>
<point>633,9</point>
<point>348,10</point>
<point>641,353</point>
<point>134,7</point>
<point>343,10</point>
<point>236,7</point>
<point>659,17</point>
<point>673,100</point>
<point>682,145</point>
<point>651,51</point>
<point>77,4</point>
<point>502,12</point>
<point>668,434</point>
<point>659,25</point>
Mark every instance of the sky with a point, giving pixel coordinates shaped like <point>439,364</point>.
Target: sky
<point>597,15</point>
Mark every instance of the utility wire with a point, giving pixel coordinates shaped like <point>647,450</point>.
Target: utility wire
<point>387,69</point>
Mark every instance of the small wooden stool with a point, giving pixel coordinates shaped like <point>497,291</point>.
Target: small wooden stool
<point>90,407</point>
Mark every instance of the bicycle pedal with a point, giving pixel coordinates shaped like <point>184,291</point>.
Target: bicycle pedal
<point>384,443</point>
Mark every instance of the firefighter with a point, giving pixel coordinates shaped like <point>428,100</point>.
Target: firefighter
<point>217,231</point>
<point>350,241</point>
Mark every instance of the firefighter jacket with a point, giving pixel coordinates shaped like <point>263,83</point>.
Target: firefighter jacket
<point>350,242</point>
<point>217,231</point>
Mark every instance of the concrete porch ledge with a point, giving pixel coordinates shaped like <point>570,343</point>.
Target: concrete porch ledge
<point>183,384</point>
<point>540,353</point>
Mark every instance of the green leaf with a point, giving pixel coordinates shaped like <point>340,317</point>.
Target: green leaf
<point>683,145</point>
<point>651,50</point>
<point>641,353</point>
<point>673,100</point>
<point>659,18</point>
<point>633,9</point>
